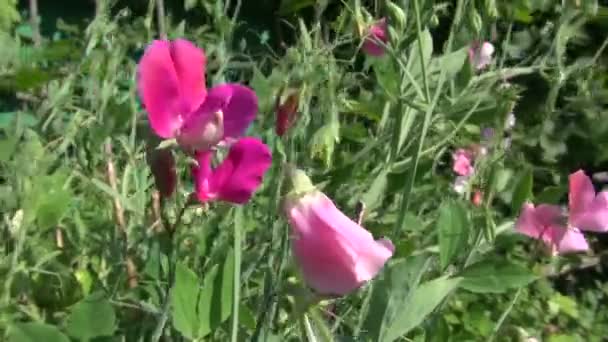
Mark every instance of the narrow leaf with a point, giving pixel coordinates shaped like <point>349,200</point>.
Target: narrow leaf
<point>453,226</point>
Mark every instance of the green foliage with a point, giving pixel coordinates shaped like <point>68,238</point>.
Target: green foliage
<point>93,255</point>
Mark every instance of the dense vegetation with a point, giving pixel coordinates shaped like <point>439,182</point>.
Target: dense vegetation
<point>102,240</point>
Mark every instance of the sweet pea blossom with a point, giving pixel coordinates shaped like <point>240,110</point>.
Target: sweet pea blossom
<point>481,55</point>
<point>588,211</point>
<point>171,84</point>
<point>463,162</point>
<point>335,254</point>
<point>375,38</point>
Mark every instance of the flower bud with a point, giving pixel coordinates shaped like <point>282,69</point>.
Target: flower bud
<point>286,112</point>
<point>162,164</point>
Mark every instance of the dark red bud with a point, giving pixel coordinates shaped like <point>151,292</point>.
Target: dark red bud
<point>162,164</point>
<point>286,113</point>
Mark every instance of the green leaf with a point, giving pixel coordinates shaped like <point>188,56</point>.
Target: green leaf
<point>183,301</point>
<point>495,276</point>
<point>452,62</point>
<point>375,194</point>
<point>291,6</point>
<point>215,303</point>
<point>419,304</point>
<point>427,51</point>
<point>190,4</point>
<point>54,199</point>
<point>35,332</point>
<point>25,119</point>
<point>390,293</point>
<point>7,147</point>
<point>90,318</point>
<point>522,191</point>
<point>387,75</point>
<point>453,226</point>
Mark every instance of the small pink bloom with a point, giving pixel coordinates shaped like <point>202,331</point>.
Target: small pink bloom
<point>547,223</point>
<point>477,198</point>
<point>171,84</point>
<point>376,38</point>
<point>463,162</point>
<point>286,112</point>
<point>588,211</point>
<point>335,254</point>
<point>237,177</point>
<point>481,56</point>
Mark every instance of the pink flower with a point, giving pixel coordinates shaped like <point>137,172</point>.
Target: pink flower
<point>463,162</point>
<point>477,198</point>
<point>237,177</point>
<point>335,254</point>
<point>547,223</point>
<point>588,211</point>
<point>481,56</point>
<point>376,38</point>
<point>171,84</point>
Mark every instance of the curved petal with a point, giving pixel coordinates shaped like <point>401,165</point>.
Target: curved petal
<point>237,177</point>
<point>570,241</point>
<point>581,193</point>
<point>158,88</point>
<point>238,103</point>
<point>539,222</point>
<point>336,254</point>
<point>189,63</point>
<point>171,83</point>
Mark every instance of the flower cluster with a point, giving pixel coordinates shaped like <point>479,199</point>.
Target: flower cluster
<point>171,84</point>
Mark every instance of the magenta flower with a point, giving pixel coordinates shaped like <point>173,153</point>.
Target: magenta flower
<point>481,56</point>
<point>335,254</point>
<point>375,39</point>
<point>548,223</point>
<point>237,177</point>
<point>171,84</point>
<point>463,162</point>
<point>588,211</point>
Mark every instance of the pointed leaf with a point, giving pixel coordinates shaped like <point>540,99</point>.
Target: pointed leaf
<point>183,301</point>
<point>495,276</point>
<point>453,226</point>
<point>35,332</point>
<point>90,318</point>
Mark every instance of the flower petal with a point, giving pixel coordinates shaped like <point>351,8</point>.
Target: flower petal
<point>570,240</point>
<point>335,253</point>
<point>238,103</point>
<point>237,177</point>
<point>171,83</point>
<point>158,87</point>
<point>189,63</point>
<point>587,211</point>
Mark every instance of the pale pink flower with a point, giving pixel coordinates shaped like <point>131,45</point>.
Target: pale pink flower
<point>481,55</point>
<point>588,210</point>
<point>335,254</point>
<point>375,39</point>
<point>171,84</point>
<point>548,224</point>
<point>463,162</point>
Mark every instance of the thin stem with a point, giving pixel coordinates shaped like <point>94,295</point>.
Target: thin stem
<point>421,52</point>
<point>160,18</point>
<point>427,120</point>
<point>35,23</point>
<point>504,315</point>
<point>120,216</point>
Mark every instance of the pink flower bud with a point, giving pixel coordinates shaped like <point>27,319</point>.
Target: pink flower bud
<point>335,254</point>
<point>286,113</point>
<point>375,39</point>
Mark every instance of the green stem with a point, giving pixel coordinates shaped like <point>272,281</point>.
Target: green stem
<point>238,222</point>
<point>427,117</point>
<point>425,83</point>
